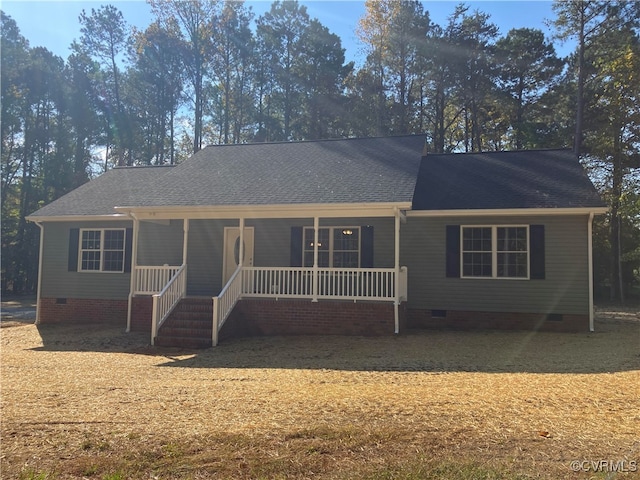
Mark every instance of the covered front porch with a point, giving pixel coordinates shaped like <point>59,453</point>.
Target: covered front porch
<point>270,261</point>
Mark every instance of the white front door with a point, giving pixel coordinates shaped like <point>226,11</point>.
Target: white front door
<point>232,251</point>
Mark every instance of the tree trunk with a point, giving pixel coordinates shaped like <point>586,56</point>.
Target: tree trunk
<point>577,141</point>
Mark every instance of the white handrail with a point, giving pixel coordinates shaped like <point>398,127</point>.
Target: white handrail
<point>357,283</point>
<point>223,304</point>
<point>151,279</point>
<point>333,283</point>
<point>278,282</point>
<point>165,301</point>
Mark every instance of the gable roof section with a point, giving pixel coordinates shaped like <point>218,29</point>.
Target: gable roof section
<point>504,180</point>
<point>367,170</point>
<point>382,170</point>
<point>100,195</point>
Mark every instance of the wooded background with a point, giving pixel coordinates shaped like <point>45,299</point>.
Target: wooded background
<point>209,72</point>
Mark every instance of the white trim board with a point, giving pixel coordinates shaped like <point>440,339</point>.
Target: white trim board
<point>508,212</point>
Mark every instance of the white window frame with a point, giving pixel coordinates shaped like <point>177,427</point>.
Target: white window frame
<point>494,252</point>
<point>102,249</point>
<point>331,243</point>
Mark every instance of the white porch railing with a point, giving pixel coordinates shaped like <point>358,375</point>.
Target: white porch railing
<point>225,301</point>
<point>152,279</point>
<point>167,299</point>
<point>356,283</point>
<point>278,282</point>
<point>333,283</point>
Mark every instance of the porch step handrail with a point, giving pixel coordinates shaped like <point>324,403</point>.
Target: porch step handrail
<point>165,301</point>
<point>152,279</point>
<point>223,304</point>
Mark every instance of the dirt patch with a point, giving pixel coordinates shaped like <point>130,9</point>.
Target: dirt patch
<point>95,402</point>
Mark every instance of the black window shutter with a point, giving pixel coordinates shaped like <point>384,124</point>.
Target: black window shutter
<point>453,251</point>
<point>74,239</point>
<point>296,247</point>
<point>536,255</point>
<point>128,244</point>
<point>366,246</point>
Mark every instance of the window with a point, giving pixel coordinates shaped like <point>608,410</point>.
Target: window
<point>512,257</point>
<point>476,252</point>
<point>495,251</point>
<point>338,247</point>
<point>102,250</point>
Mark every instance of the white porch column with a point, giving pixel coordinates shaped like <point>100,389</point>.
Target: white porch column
<point>185,239</point>
<point>396,303</point>
<point>134,264</point>
<point>316,227</point>
<point>241,245</point>
<point>185,244</point>
<point>590,253</point>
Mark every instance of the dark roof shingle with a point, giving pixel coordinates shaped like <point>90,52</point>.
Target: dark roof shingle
<point>119,186</point>
<point>504,180</point>
<point>366,170</point>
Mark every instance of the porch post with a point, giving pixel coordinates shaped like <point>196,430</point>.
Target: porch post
<point>590,253</point>
<point>185,239</point>
<point>396,302</point>
<point>134,263</point>
<point>185,244</point>
<point>241,246</point>
<point>214,329</point>
<point>316,227</point>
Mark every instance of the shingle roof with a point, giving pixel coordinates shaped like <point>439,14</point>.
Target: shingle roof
<point>504,180</point>
<point>367,170</point>
<point>122,185</point>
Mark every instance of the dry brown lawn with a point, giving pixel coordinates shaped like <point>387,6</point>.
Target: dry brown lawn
<point>94,402</point>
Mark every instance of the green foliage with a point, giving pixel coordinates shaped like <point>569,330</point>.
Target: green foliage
<point>32,474</point>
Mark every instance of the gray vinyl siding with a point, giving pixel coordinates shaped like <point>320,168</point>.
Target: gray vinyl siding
<point>272,241</point>
<point>58,282</point>
<point>204,256</point>
<point>564,290</point>
<point>160,243</point>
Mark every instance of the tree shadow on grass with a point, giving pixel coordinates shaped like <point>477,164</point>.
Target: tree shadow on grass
<point>93,337</point>
<point>614,347</point>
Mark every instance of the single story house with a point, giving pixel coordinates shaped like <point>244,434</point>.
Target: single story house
<point>360,236</point>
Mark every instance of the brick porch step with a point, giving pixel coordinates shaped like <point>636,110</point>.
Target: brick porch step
<point>188,326</point>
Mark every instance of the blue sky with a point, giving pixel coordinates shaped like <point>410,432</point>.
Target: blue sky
<point>54,24</point>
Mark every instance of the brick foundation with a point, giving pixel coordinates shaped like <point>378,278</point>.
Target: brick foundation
<point>82,310</point>
<point>255,317</point>
<point>463,320</point>
<point>141,313</point>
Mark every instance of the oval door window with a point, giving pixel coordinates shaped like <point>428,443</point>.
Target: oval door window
<point>236,250</point>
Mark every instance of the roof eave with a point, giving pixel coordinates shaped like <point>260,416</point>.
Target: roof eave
<point>307,210</point>
<point>76,218</point>
<point>508,212</point>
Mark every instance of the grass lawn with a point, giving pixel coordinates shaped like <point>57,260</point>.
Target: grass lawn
<point>94,402</point>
